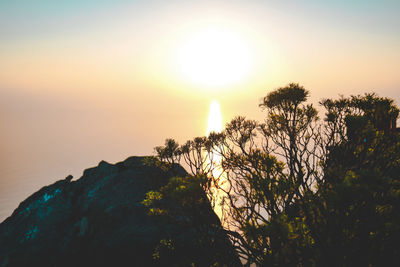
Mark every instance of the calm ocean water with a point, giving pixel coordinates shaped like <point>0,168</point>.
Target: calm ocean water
<point>46,137</point>
<point>20,180</point>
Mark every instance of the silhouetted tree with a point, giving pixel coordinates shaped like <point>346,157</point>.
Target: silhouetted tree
<point>299,191</point>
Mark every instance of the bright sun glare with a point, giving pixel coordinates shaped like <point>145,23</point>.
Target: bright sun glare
<point>215,57</point>
<point>214,123</point>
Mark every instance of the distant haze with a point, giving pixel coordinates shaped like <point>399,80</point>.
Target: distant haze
<point>85,81</point>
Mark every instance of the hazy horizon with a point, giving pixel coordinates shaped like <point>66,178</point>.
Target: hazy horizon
<point>85,81</point>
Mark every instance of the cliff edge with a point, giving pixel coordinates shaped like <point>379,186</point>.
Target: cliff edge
<point>99,220</point>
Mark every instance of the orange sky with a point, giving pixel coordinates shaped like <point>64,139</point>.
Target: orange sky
<point>83,82</point>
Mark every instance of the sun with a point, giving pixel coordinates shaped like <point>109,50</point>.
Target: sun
<point>214,57</point>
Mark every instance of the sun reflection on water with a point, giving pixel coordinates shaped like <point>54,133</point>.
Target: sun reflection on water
<point>214,124</point>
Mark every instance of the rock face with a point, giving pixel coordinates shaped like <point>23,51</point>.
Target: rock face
<point>99,220</point>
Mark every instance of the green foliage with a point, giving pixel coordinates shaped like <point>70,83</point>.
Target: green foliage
<point>362,205</point>
<point>184,204</point>
<point>170,152</point>
<point>181,195</point>
<point>153,197</point>
<point>164,249</point>
<point>286,97</point>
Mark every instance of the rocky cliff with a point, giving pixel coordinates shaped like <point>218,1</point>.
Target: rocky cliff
<point>99,220</point>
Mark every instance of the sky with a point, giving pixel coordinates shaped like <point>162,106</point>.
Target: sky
<point>85,81</point>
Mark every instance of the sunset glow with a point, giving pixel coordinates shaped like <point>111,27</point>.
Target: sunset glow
<point>84,81</point>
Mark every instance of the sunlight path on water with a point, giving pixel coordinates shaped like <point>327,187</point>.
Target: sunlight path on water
<point>214,124</point>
